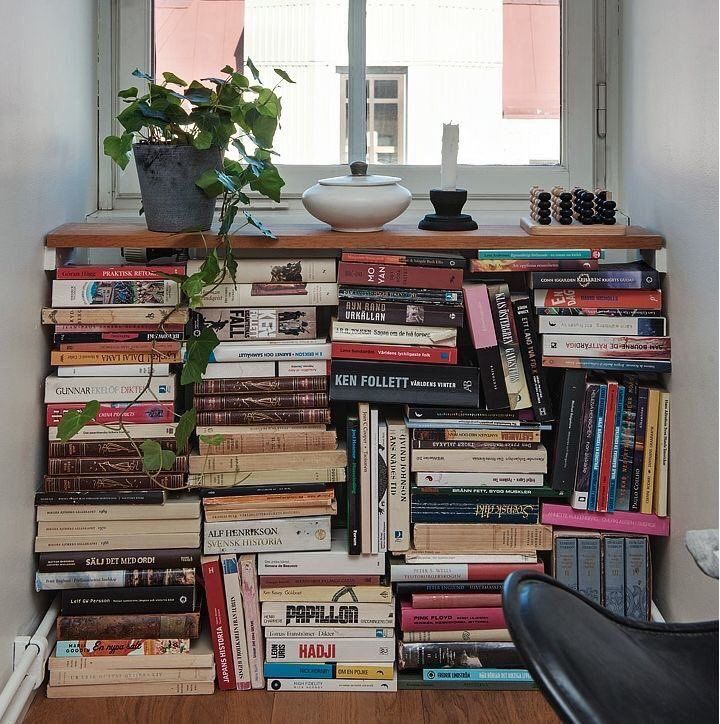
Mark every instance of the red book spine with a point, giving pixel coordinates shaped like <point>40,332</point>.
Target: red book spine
<point>219,627</point>
<point>456,600</point>
<point>389,275</point>
<point>607,445</point>
<point>140,412</point>
<point>499,571</point>
<point>289,581</point>
<point>600,298</point>
<point>119,346</point>
<point>395,353</point>
<point>117,272</point>
<point>450,619</point>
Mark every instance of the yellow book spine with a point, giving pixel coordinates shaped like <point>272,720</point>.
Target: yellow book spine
<point>651,435</point>
<point>363,671</point>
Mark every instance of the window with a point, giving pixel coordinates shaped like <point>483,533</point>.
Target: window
<point>519,76</point>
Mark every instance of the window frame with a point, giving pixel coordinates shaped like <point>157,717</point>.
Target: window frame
<point>125,43</point>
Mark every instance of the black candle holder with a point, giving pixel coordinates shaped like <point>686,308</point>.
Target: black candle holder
<point>448,217</point>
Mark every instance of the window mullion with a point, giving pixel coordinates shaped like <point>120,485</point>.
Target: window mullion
<point>357,100</point>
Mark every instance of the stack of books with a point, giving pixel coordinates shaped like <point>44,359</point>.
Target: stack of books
<point>121,550</point>
<point>329,621</point>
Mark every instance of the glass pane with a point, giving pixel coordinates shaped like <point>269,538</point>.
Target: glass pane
<point>492,66</point>
<point>386,123</point>
<point>195,38</point>
<point>386,89</point>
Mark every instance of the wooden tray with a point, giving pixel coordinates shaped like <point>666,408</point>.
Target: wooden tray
<point>574,229</point>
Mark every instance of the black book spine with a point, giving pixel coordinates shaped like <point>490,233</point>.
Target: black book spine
<point>140,599</point>
<point>639,449</point>
<point>403,590</point>
<point>102,497</point>
<point>388,294</point>
<point>627,444</point>
<point>567,443</point>
<point>401,383</point>
<point>532,356</point>
<point>353,487</point>
<point>469,654</point>
<point>428,315</point>
<point>118,560</point>
<point>263,490</point>
<point>459,510</point>
<point>414,412</point>
<point>581,488</point>
<point>482,491</point>
<point>645,278</point>
<point>493,378</point>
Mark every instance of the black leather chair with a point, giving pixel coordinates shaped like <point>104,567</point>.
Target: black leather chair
<point>593,666</point>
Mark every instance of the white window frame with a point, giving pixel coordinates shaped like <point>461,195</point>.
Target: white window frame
<point>589,56</point>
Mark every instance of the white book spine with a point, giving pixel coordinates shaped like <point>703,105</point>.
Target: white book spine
<point>233,352</point>
<point>584,345</point>
<point>330,614</point>
<point>382,487</point>
<point>393,334</point>
<point>175,509</point>
<point>137,432</point>
<point>374,472</point>
<point>330,650</point>
<point>595,324</point>
<point>303,368</point>
<point>248,536</point>
<point>110,389</point>
<point>332,685</point>
<point>236,620</point>
<point>485,461</point>
<point>253,627</point>
<point>499,634</point>
<point>478,480</point>
<point>278,270</point>
<point>310,632</point>
<point>398,487</point>
<point>238,370</point>
<point>472,558</point>
<point>126,293</point>
<point>114,370</point>
<point>80,579</point>
<point>429,572</point>
<point>579,500</point>
<point>312,294</point>
<point>329,564</point>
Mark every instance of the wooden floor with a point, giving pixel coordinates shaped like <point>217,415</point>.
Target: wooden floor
<point>406,707</point>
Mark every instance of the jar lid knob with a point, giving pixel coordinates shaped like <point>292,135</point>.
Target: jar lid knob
<point>358,168</point>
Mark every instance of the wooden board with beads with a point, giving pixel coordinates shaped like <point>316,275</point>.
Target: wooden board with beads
<point>575,229</point>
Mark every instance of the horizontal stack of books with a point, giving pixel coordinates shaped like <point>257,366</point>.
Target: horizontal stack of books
<point>328,619</point>
<point>120,549</point>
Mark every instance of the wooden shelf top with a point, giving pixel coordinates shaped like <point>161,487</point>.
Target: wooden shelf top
<point>316,236</point>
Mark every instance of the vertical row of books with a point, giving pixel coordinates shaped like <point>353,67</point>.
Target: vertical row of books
<point>119,548</point>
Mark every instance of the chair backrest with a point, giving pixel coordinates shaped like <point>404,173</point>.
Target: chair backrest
<point>594,666</point>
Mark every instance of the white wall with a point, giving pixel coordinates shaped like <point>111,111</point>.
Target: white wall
<point>47,176</point>
<point>669,122</point>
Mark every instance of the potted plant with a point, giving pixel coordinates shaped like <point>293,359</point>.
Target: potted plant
<point>179,134</point>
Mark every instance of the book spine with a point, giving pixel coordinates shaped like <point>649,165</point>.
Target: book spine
<point>486,675</point>
<point>126,600</point>
<point>639,448</point>
<point>592,312</point>
<point>456,600</point>
<point>565,561</point>
<point>253,630</point>
<point>618,522</point>
<point>105,466</point>
<point>236,621</point>
<point>133,647</point>
<point>589,568</point>
<point>110,389</point>
<point>606,447</point>
<point>502,266</point>
<point>467,461</point>
<point>396,313</point>
<point>374,470</point>
<point>260,386</point>
<point>101,448</point>
<point>601,325</point>
<point>650,452</point>
<point>118,315</point>
<point>132,626</point>
<point>247,536</point>
<point>86,338</point>
<point>105,371</point>
<point>604,346</point>
<point>365,478</point>
<point>318,580</point>
<point>352,435</point>
<point>481,537</point>
<point>613,592</point>
<point>114,579</point>
<point>538,490</point>
<point>405,590</point>
<point>218,620</point>
<point>109,293</point>
<point>262,294</point>
<point>382,461</point>
<point>471,445</point>
<point>400,296</point>
<point>249,401</point>
<point>119,272</point>
<point>336,564</point>
<point>63,484</point>
<point>513,368</point>
<point>627,444</point>
<point>398,487</point>
<point>394,353</point>
<point>540,254</point>
<point>328,614</point>
<point>150,431</point>
<point>152,346</point>
<point>404,383</point>
<point>74,561</point>
<point>264,417</point>
<point>583,474</point>
<point>278,270</point>
<point>327,594</point>
<point>637,579</point>
<point>303,368</point>
<point>101,498</point>
<point>597,448</point>
<point>330,650</point>
<point>602,278</point>
<point>237,370</point>
<point>600,299</point>
<point>280,670</point>
<point>109,412</point>
<point>399,276</point>
<point>251,444</point>
<point>240,352</point>
<point>450,510</point>
<point>341,685</point>
<point>369,333</point>
<point>530,351</point>
<point>660,491</point>
<point>615,454</point>
<point>430,572</point>
<point>328,632</point>
<point>478,654</point>
<point>413,258</point>
<point>450,436</point>
<point>610,364</point>
<point>255,324</point>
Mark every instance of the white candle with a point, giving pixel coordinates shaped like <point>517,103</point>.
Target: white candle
<point>448,165</point>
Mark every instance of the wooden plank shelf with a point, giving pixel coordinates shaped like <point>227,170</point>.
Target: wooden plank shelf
<point>317,236</point>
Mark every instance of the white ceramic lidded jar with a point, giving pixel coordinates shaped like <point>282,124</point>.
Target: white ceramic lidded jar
<point>359,202</point>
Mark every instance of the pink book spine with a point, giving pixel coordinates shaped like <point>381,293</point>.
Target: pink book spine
<point>253,630</point>
<point>456,600</point>
<point>116,328</point>
<point>479,316</point>
<point>617,522</point>
<point>450,619</point>
<point>110,412</point>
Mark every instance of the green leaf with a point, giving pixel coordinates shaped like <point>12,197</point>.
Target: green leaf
<point>141,74</point>
<point>194,284</point>
<point>263,129</point>
<point>199,351</point>
<point>130,117</point>
<point>118,148</point>
<point>185,427</point>
<point>268,183</point>
<point>231,265</point>
<point>240,80</point>
<point>209,183</point>
<point>155,458</point>
<point>203,140</point>
<point>227,221</point>
<point>198,94</point>
<point>283,75</point>
<point>128,92</point>
<point>148,111</point>
<point>74,420</point>
<point>253,70</point>
<point>212,439</point>
<point>227,69</point>
<point>172,78</point>
<point>210,268</point>
<point>259,225</point>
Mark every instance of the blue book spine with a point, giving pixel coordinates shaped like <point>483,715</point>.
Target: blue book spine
<point>607,364</point>
<point>614,574</point>
<point>566,561</point>
<point>615,459</point>
<point>540,254</point>
<point>589,567</point>
<point>637,594</point>
<point>275,670</point>
<point>597,448</point>
<point>493,675</point>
